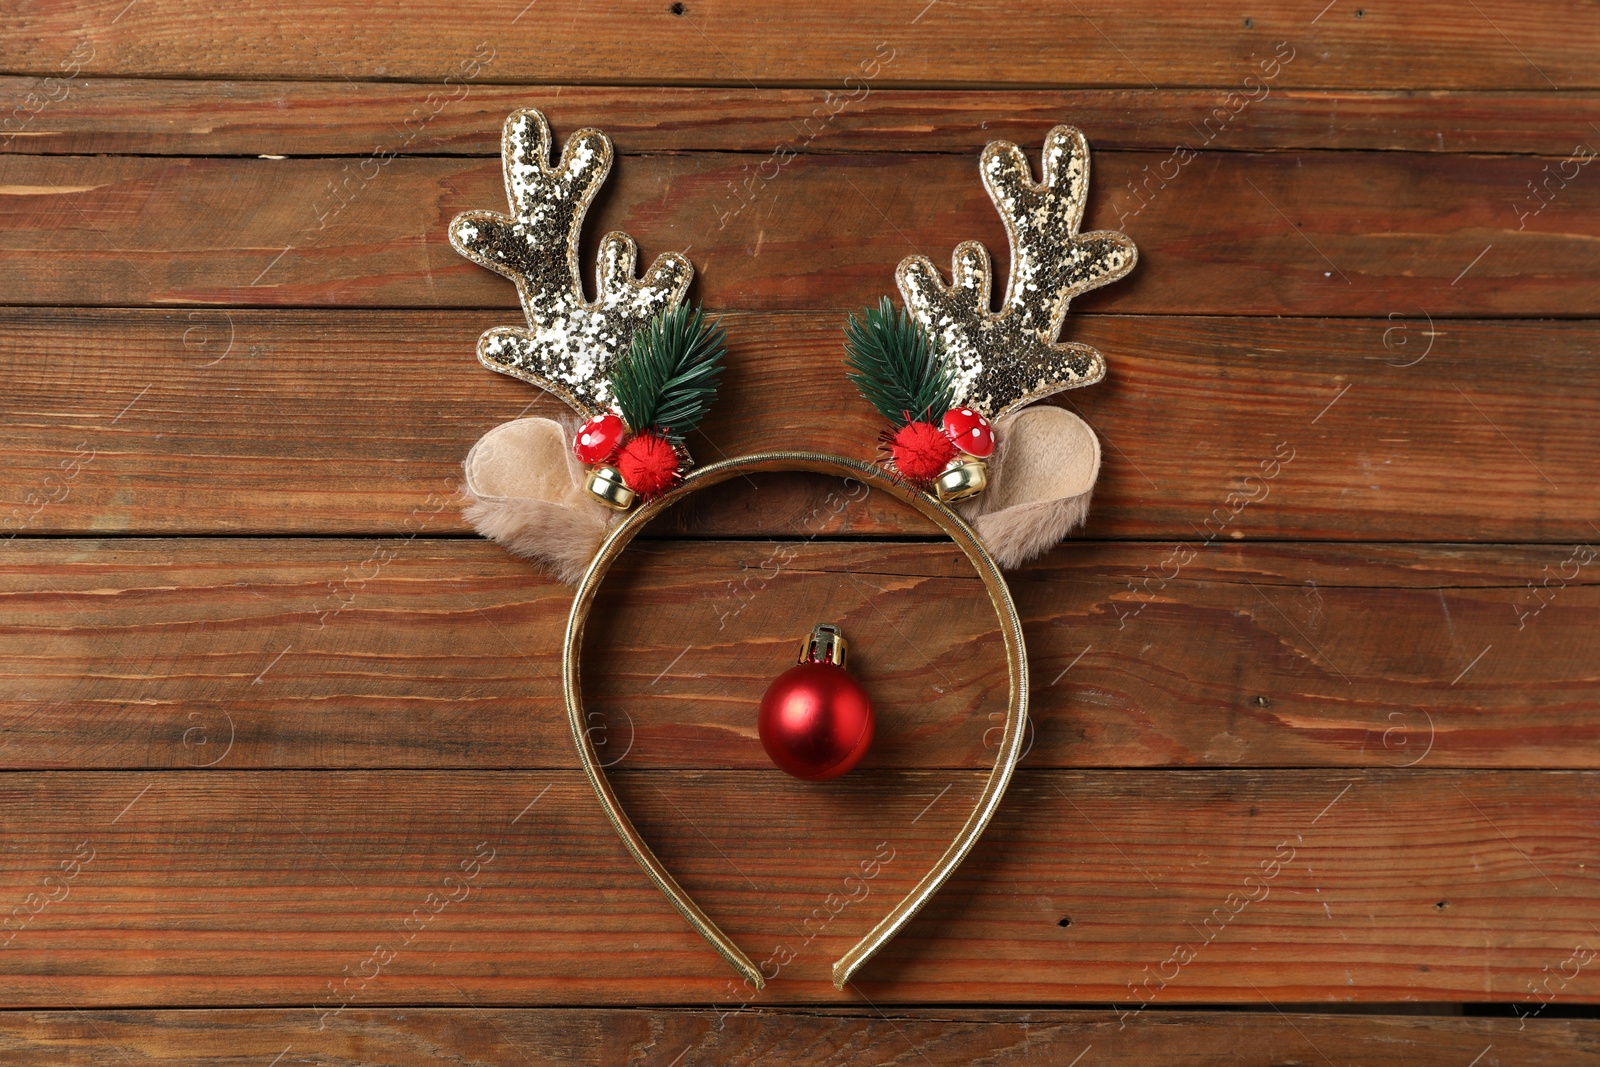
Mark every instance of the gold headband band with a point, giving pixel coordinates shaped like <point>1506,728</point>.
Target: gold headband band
<point>1010,746</point>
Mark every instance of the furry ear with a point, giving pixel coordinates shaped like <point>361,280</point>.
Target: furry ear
<point>525,490</point>
<point>1041,477</point>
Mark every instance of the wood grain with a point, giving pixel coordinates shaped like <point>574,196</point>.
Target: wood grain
<point>1333,746</point>
<point>261,654</point>
<point>605,1037</point>
<point>223,421</point>
<point>233,888</point>
<point>93,115</point>
<point>1417,45</point>
<point>1341,233</point>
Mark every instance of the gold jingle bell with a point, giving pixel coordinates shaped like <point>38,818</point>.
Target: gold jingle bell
<point>607,486</point>
<point>965,476</point>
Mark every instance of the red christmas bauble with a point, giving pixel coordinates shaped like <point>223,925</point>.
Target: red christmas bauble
<point>598,439</point>
<point>649,464</point>
<point>969,431</point>
<point>816,721</point>
<point>920,451</point>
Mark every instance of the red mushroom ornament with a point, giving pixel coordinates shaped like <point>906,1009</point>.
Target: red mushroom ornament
<point>598,439</point>
<point>969,431</point>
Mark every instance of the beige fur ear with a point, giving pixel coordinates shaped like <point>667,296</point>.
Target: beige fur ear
<point>1041,477</point>
<point>525,490</point>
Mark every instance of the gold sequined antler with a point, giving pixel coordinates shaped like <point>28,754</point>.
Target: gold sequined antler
<point>570,343</point>
<point>1003,360</point>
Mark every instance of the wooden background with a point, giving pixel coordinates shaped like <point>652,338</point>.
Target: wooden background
<point>265,697</point>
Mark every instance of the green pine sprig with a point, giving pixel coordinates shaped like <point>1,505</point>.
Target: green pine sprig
<point>668,379</point>
<point>897,365</point>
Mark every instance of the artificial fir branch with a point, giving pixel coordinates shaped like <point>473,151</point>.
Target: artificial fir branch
<point>897,365</point>
<point>668,379</point>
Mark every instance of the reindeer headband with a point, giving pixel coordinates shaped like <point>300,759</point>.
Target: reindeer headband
<point>639,369</point>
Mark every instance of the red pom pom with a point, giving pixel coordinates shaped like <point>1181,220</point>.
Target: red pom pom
<point>920,451</point>
<point>649,464</point>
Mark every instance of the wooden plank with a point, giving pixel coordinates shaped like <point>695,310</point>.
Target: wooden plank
<point>605,1037</point>
<point>136,654</point>
<point>1396,852</point>
<point>1343,233</point>
<point>1356,898</point>
<point>219,421</point>
<point>165,116</point>
<point>1417,45</point>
